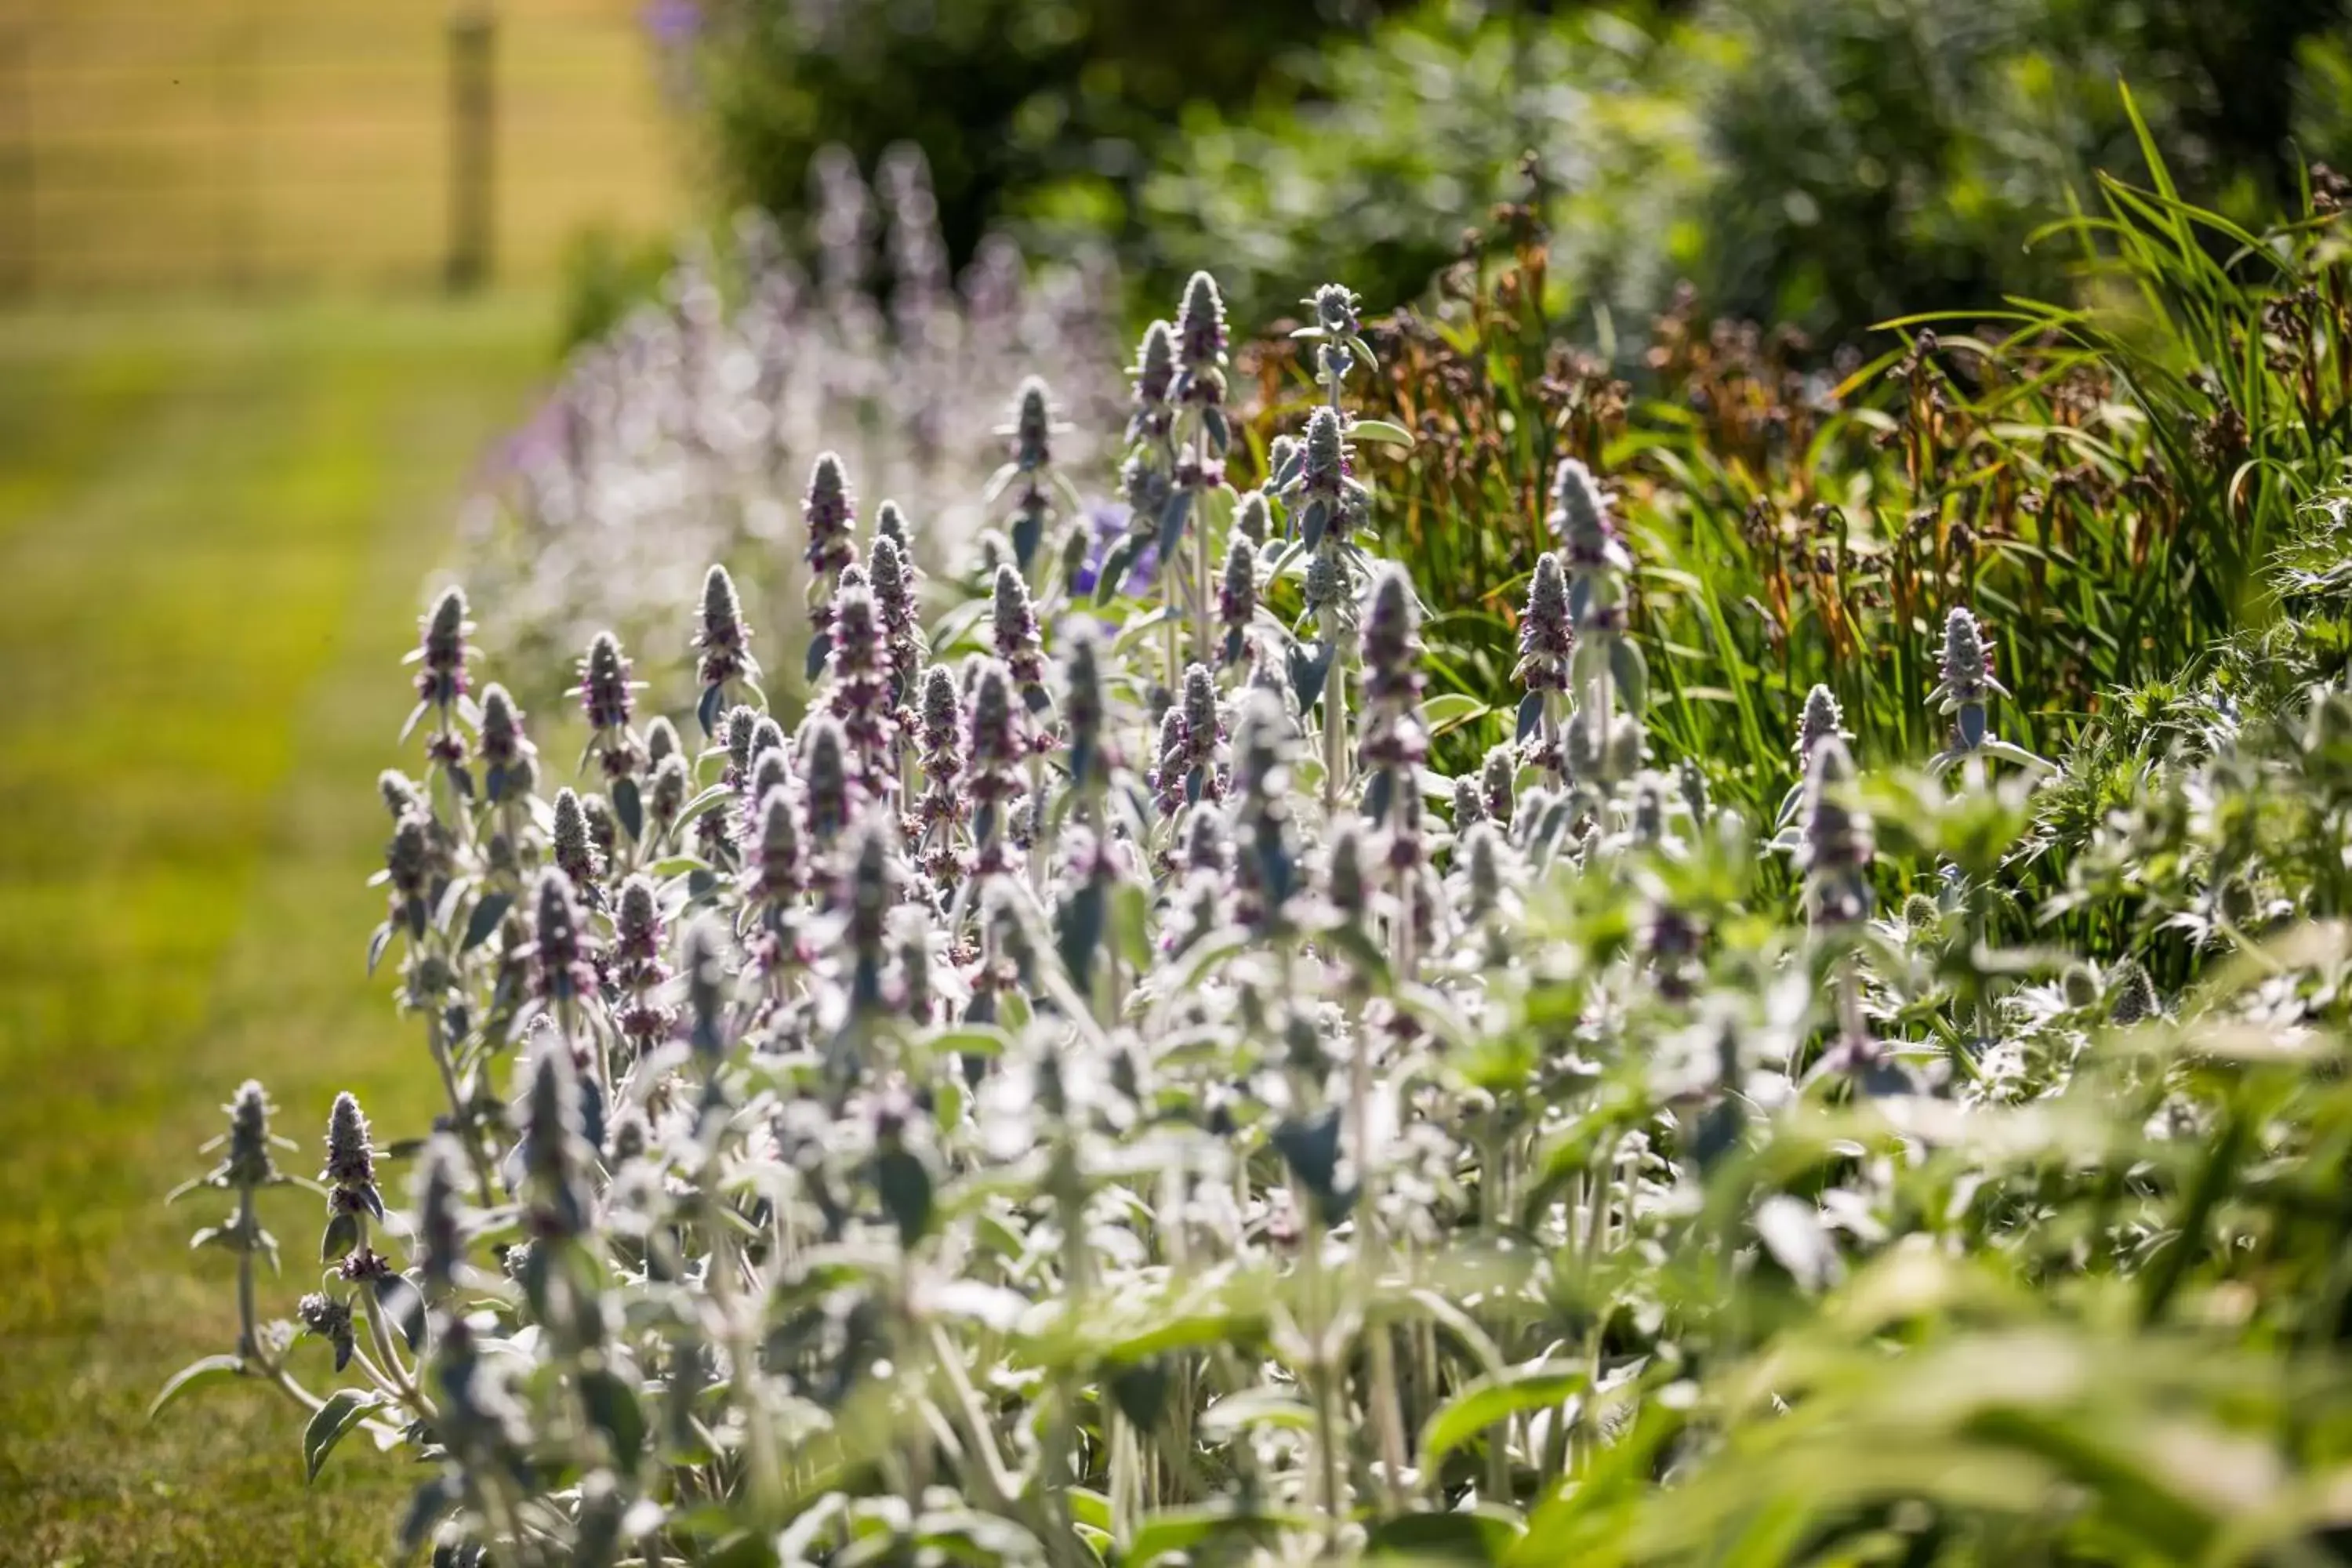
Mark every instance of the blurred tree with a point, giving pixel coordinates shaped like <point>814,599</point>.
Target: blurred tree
<point>1002,95</point>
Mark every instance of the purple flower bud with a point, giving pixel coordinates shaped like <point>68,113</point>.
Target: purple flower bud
<point>1498,784</point>
<point>1469,802</point>
<point>779,872</point>
<point>440,1217</point>
<point>574,850</point>
<point>408,858</point>
<point>830,514</point>
<point>1835,844</point>
<point>565,970</point>
<point>1200,325</point>
<point>662,742</point>
<point>604,686</point>
<point>1252,518</point>
<point>401,795</point>
<point>507,753</point>
<point>1237,595</point>
<point>1015,622</point>
<point>1965,662</point>
<point>741,728</point>
<point>824,779</point>
<point>723,640</point>
<point>1032,427</point>
<point>1545,638</point>
<point>441,652</point>
<point>1822,720</point>
<point>858,668</point>
<point>1336,307</point>
<point>1154,375</point>
<point>349,1170</point>
<point>1084,710</point>
<point>554,1150</point>
<point>1580,515</point>
<point>250,1160</point>
<point>890,523</point>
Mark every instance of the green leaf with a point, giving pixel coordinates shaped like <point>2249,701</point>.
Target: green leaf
<point>485,920</point>
<point>1488,1399</point>
<point>1430,1539</point>
<point>344,1409</point>
<point>613,1405</point>
<point>197,1375</point>
<point>1379,430</point>
<point>1451,711</point>
<point>1182,1529</point>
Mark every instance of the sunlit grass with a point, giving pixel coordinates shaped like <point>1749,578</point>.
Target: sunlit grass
<point>211,525</point>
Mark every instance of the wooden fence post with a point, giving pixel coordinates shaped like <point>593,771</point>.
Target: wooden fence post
<point>473,125</point>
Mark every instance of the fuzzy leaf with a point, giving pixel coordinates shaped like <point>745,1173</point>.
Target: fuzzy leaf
<point>1534,1386</point>
<point>613,1407</point>
<point>1379,430</point>
<point>197,1375</point>
<point>344,1409</point>
<point>488,913</point>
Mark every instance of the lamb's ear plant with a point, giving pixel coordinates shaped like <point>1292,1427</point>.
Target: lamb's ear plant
<point>1095,1084</point>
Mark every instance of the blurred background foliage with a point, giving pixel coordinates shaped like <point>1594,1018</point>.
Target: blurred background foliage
<point>1819,163</point>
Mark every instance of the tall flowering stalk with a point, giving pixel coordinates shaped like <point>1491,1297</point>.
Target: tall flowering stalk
<point>724,646</point>
<point>1610,679</point>
<point>1963,693</point>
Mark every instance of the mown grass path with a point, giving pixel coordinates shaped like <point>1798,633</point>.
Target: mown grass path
<point>214,528</point>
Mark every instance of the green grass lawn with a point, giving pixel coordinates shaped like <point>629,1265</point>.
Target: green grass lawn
<point>215,532</point>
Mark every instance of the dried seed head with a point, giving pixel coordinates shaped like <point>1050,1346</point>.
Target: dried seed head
<point>2131,997</point>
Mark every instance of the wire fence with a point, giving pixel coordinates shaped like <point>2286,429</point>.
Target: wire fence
<point>236,146</point>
